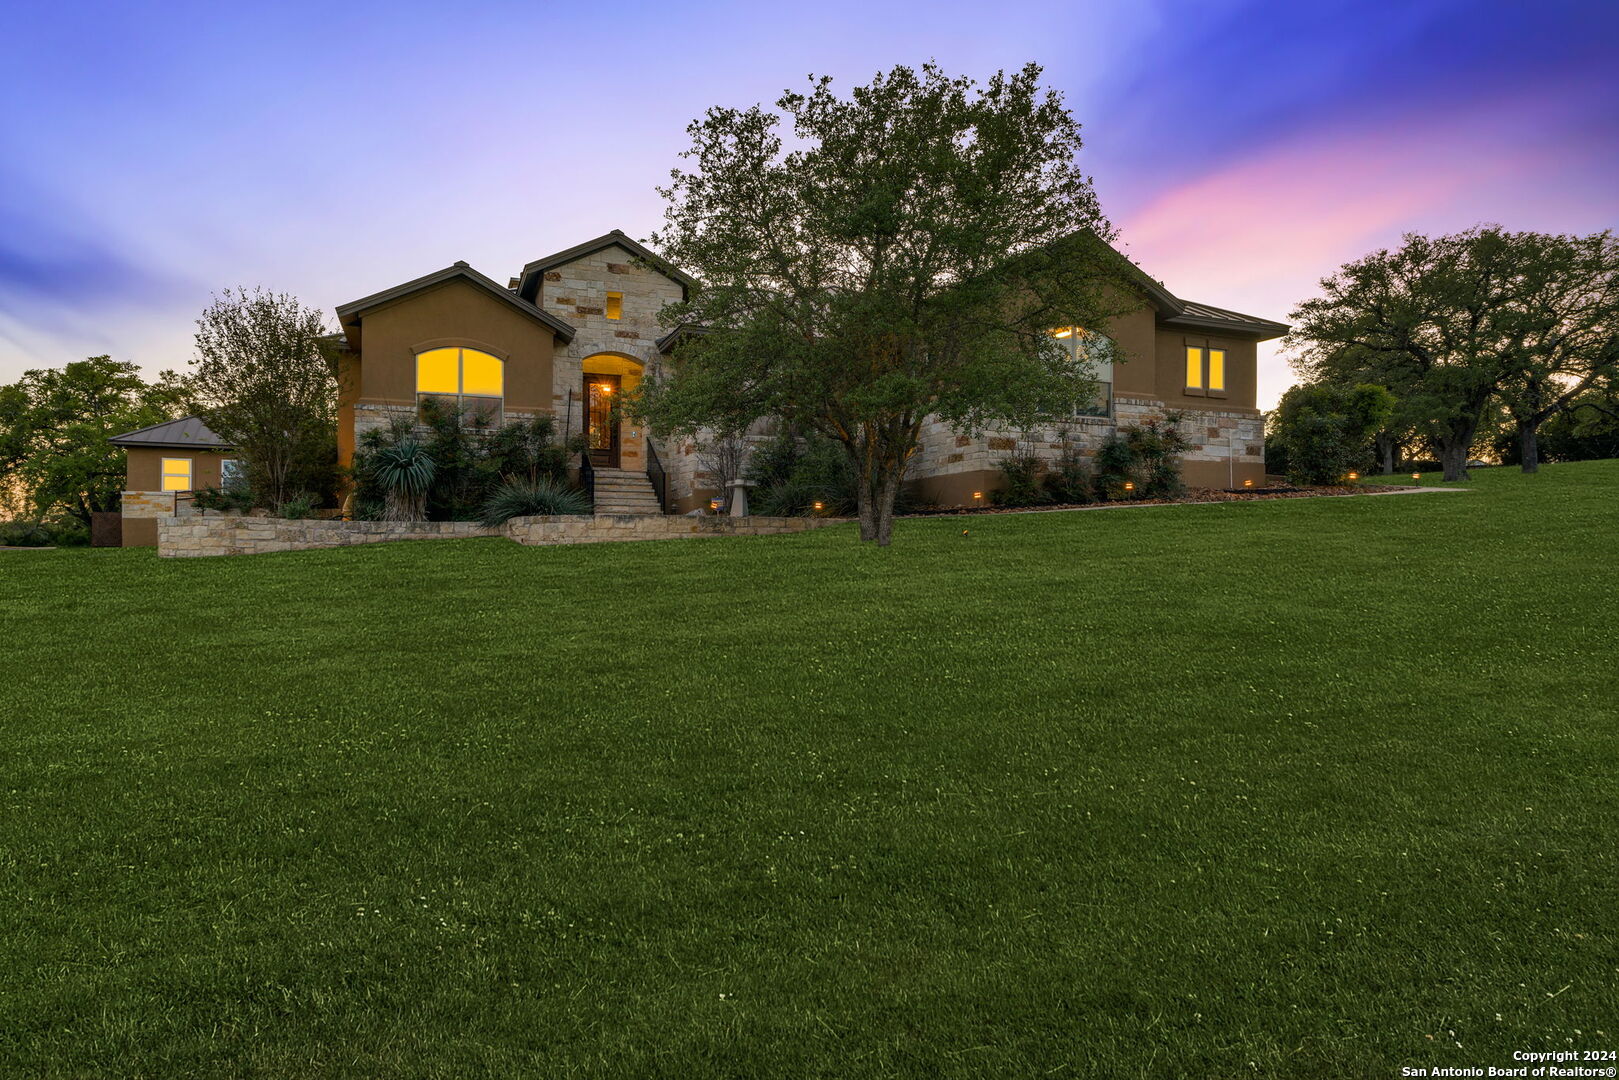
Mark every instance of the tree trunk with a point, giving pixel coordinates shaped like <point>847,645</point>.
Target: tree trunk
<point>886,493</point>
<point>1387,450</point>
<point>1453,456</point>
<point>1529,445</point>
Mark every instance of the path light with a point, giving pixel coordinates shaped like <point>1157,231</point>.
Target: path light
<point>817,506</point>
<point>713,504</point>
<point>978,494</point>
<point>1416,476</point>
<point>1248,482</point>
<point>1354,476</point>
<point>1129,485</point>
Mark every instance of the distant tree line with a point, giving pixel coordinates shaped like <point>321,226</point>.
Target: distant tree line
<point>1485,338</point>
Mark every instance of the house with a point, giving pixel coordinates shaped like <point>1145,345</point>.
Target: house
<point>578,329</point>
<point>164,464</point>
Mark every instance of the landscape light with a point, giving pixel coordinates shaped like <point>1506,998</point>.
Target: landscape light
<point>1416,476</point>
<point>817,506</point>
<point>1248,482</point>
<point>1354,476</point>
<point>713,504</point>
<point>978,494</point>
<point>1129,485</point>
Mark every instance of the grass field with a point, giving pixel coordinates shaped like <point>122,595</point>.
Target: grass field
<point>1308,788</point>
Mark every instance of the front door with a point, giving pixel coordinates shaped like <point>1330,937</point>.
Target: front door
<point>601,420</point>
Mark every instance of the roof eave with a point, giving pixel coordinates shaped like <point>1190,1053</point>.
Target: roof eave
<point>528,285</point>
<point>1258,330</point>
<point>350,313</point>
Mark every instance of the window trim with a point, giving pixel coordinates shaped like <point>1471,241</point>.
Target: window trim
<point>163,474</point>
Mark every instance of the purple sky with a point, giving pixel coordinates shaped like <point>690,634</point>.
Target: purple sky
<point>157,153</point>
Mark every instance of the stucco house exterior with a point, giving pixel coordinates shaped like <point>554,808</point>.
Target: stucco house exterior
<point>577,329</point>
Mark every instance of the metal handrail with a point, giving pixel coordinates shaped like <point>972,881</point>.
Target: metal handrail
<point>659,478</point>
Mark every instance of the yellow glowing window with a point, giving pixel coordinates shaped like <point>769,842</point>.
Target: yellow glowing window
<point>464,378</point>
<point>1216,369</point>
<point>615,305</point>
<point>176,474</point>
<point>1194,368</point>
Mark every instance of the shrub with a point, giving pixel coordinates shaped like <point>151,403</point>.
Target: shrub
<point>1069,480</point>
<point>1326,430</point>
<point>1024,473</point>
<point>299,506</point>
<point>528,498</point>
<point>1146,456</point>
<point>404,471</point>
<point>25,534</point>
<point>236,499</point>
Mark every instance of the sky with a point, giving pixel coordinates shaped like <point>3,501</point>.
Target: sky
<point>154,154</point>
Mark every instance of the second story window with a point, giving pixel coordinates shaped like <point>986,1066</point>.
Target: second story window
<point>466,379</point>
<point>1093,352</point>
<point>1205,368</point>
<point>615,305</point>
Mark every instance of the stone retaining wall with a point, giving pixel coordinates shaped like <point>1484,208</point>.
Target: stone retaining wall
<point>225,534</point>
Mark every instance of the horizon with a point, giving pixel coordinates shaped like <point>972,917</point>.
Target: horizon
<point>1243,150</point>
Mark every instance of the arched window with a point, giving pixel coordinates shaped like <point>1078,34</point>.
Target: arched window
<point>1093,352</point>
<point>467,379</point>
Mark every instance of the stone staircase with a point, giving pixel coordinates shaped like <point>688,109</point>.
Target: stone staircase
<point>620,491</point>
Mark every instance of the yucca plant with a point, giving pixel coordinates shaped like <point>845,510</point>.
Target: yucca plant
<point>404,472</point>
<point>518,497</point>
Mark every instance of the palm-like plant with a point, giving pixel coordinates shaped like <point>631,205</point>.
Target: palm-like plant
<point>525,498</point>
<point>404,471</point>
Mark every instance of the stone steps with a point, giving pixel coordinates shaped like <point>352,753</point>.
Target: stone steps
<point>621,492</point>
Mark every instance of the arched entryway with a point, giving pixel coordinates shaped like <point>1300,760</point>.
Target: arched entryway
<point>611,442</point>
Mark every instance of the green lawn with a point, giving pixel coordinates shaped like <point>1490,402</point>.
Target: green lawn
<point>1302,788</point>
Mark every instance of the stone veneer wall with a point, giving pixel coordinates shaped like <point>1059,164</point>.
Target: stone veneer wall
<point>229,534</point>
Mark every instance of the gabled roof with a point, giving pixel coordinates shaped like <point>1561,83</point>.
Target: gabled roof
<point>351,312</point>
<point>679,334</point>
<point>1209,317</point>
<point>528,286</point>
<point>186,433</point>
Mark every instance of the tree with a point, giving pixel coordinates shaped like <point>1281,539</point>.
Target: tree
<point>55,426</point>
<point>906,260</point>
<point>1588,427</point>
<point>268,387</point>
<point>1565,334</point>
<point>1433,322</point>
<point>1326,430</point>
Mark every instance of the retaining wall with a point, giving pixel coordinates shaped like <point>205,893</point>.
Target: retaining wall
<point>229,534</point>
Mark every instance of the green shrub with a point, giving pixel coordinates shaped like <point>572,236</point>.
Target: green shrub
<point>25,534</point>
<point>299,506</point>
<point>1068,480</point>
<point>1024,473</point>
<point>1326,431</point>
<point>236,499</point>
<point>530,498</point>
<point>1146,457</point>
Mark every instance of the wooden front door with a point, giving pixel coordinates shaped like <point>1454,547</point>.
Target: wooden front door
<point>601,420</point>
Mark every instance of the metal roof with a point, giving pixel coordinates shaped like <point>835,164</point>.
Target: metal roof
<point>1207,315</point>
<point>188,432</point>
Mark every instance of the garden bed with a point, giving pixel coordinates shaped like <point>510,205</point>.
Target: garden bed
<point>1195,495</point>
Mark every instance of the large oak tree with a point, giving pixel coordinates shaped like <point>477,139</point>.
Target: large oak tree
<point>903,255</point>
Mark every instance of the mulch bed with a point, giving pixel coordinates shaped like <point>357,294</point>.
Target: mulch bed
<point>1196,495</point>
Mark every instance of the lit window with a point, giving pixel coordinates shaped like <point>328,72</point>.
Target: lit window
<point>1194,368</point>
<point>231,474</point>
<point>176,474</point>
<point>1093,352</point>
<point>615,305</point>
<point>1216,369</point>
<point>462,378</point>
